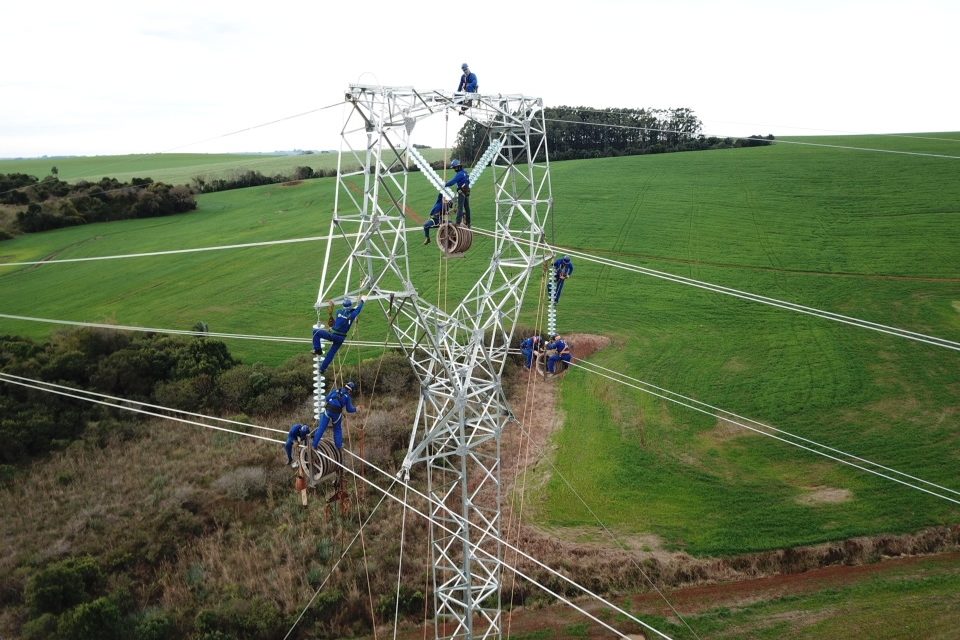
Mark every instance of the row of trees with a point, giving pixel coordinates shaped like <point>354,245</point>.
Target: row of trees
<point>52,203</point>
<point>583,132</point>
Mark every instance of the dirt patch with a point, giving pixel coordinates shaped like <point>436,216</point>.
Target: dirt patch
<point>824,495</point>
<point>291,183</point>
<point>726,430</point>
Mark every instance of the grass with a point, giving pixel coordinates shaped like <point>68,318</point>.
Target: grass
<point>869,234</point>
<point>921,599</point>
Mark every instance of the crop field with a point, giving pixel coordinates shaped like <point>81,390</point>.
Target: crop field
<point>872,235</point>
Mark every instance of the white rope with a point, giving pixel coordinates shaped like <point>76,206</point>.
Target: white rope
<point>246,245</point>
<point>356,537</point>
<point>592,367</point>
<point>753,297</point>
<point>403,533</point>
<point>474,547</point>
<point>203,334</point>
<point>603,526</point>
<point>692,404</point>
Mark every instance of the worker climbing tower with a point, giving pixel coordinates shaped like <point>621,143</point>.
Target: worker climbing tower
<point>458,354</point>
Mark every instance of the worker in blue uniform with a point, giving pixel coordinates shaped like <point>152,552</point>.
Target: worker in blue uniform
<point>437,215</point>
<point>529,347</point>
<point>338,401</point>
<point>562,269</point>
<point>468,84</point>
<point>338,332</point>
<point>562,354</point>
<point>298,432</point>
<point>468,80</point>
<point>462,181</point>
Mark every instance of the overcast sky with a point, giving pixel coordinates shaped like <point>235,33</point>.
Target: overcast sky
<point>86,78</point>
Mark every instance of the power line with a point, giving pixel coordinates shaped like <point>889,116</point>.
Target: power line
<point>190,144</point>
<point>671,396</point>
<point>776,141</point>
<point>53,388</point>
<point>755,124</point>
<point>199,334</point>
<point>606,529</point>
<point>753,297</point>
<point>733,418</point>
<point>146,254</point>
<point>745,295</point>
<point>256,126</point>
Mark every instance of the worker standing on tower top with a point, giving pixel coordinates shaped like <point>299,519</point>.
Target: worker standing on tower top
<point>462,182</point>
<point>468,84</point>
<point>337,333</point>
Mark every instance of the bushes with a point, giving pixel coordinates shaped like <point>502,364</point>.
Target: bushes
<point>389,374</point>
<point>63,584</point>
<point>242,483</point>
<point>101,619</point>
<point>52,203</point>
<point>193,374</point>
<point>247,618</point>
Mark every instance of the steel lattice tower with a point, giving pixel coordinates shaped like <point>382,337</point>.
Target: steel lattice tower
<point>458,355</point>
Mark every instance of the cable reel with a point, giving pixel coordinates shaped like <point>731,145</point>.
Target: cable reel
<point>454,239</point>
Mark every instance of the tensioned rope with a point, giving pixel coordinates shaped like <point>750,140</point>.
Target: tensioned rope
<point>474,548</point>
<point>190,144</point>
<point>610,534</point>
<point>777,141</point>
<point>761,428</point>
<point>343,555</point>
<point>201,334</point>
<point>737,293</point>
<point>739,421</point>
<point>753,297</point>
<point>781,126</point>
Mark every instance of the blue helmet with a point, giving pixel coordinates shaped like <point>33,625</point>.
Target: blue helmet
<point>347,303</point>
<point>464,66</point>
<point>454,163</point>
<point>566,258</point>
<point>351,386</point>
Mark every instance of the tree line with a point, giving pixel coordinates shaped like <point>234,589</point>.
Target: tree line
<point>584,132</point>
<point>51,203</point>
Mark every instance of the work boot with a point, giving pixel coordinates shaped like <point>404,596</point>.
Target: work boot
<point>426,241</point>
<point>318,351</point>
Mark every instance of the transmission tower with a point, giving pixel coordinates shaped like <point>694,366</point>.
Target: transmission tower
<point>458,355</point>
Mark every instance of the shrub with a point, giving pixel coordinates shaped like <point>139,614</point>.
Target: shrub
<point>248,618</point>
<point>242,483</point>
<point>64,584</point>
<point>99,619</point>
<point>154,625</point>
<point>40,628</point>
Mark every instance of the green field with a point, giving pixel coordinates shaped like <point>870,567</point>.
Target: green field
<point>176,168</point>
<point>868,234</point>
